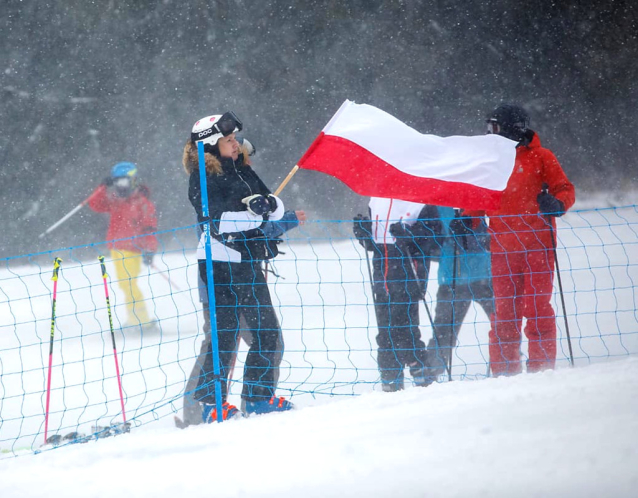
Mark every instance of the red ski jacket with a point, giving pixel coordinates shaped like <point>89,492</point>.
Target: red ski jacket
<point>517,225</point>
<point>130,216</point>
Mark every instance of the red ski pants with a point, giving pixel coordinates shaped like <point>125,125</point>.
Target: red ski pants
<point>523,282</point>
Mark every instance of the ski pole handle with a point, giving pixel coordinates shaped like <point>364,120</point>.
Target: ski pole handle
<point>106,293</point>
<point>102,266</point>
<point>56,268</point>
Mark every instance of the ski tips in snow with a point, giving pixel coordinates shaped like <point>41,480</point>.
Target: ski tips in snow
<point>97,432</point>
<point>100,432</point>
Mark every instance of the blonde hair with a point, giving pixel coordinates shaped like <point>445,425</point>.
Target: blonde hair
<point>190,159</point>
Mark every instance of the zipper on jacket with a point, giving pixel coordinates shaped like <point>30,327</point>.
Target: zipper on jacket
<point>240,177</point>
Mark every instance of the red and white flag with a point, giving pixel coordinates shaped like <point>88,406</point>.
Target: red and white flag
<point>377,155</point>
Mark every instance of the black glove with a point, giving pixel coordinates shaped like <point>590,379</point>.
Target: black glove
<point>460,227</point>
<point>260,205</point>
<point>108,181</point>
<point>403,236</point>
<point>362,229</point>
<point>430,228</point>
<point>147,257</point>
<point>273,202</point>
<point>550,205</point>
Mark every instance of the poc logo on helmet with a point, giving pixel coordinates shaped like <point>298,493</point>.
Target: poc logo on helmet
<point>205,132</point>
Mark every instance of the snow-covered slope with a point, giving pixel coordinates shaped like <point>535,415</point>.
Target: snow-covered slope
<point>570,432</point>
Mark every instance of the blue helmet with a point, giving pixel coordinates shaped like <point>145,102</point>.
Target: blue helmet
<point>124,169</point>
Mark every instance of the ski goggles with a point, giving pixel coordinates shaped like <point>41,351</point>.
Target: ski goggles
<point>493,128</point>
<point>123,182</point>
<point>228,123</point>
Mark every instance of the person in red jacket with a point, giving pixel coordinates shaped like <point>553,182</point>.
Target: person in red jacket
<point>132,217</point>
<point>522,248</point>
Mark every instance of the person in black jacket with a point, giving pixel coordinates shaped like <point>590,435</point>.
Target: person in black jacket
<point>272,230</point>
<point>399,279</point>
<point>240,205</point>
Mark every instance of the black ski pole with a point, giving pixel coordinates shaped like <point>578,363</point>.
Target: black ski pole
<point>425,284</point>
<point>455,276</point>
<point>562,296</point>
<point>369,269</point>
<point>560,281</point>
<point>452,311</point>
<point>427,310</point>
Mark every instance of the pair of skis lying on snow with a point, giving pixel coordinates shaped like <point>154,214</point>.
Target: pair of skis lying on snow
<point>98,432</point>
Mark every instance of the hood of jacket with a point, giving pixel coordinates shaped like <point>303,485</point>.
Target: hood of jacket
<point>190,159</point>
<point>530,139</point>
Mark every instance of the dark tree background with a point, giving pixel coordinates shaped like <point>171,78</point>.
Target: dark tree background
<point>88,84</point>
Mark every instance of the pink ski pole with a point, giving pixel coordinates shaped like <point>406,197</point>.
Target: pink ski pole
<point>56,269</point>
<point>108,307</point>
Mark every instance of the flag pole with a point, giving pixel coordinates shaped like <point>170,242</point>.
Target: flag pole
<point>287,179</point>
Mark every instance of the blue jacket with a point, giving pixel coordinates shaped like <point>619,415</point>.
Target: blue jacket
<point>274,229</point>
<point>473,263</point>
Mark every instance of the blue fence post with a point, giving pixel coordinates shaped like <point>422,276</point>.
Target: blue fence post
<point>211,282</point>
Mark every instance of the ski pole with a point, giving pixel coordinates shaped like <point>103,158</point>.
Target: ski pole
<point>455,270</point>
<point>456,273</point>
<point>165,277</point>
<point>369,268</point>
<point>545,190</point>
<point>423,294</point>
<point>66,216</point>
<point>56,270</point>
<point>108,307</point>
<point>210,284</point>
<point>455,262</point>
<point>371,280</point>
<point>427,310</point>
<point>562,297</point>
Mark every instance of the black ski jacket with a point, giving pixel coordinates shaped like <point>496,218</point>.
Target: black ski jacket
<point>225,192</point>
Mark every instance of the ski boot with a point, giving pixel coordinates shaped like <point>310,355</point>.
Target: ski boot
<point>209,412</point>
<point>273,404</point>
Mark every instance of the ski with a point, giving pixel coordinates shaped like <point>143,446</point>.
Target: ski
<point>98,432</point>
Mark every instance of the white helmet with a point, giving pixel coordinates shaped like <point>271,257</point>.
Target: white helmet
<point>211,128</point>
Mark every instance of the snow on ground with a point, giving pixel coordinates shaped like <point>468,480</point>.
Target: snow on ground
<point>562,433</point>
<point>569,432</point>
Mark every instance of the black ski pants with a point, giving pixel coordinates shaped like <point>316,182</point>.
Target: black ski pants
<point>396,295</point>
<point>241,291</point>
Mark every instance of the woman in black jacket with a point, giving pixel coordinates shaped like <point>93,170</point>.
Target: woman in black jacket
<point>239,206</point>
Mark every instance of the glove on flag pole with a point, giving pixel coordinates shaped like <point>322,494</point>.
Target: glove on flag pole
<point>377,155</point>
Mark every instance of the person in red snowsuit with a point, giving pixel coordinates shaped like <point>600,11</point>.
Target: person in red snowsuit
<point>132,215</point>
<point>522,248</point>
